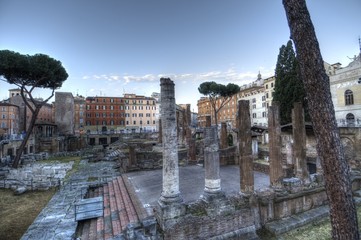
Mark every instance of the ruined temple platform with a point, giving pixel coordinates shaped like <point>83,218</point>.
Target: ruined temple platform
<point>148,184</point>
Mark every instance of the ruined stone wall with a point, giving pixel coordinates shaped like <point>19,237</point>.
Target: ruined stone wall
<point>351,141</point>
<point>64,112</point>
<point>273,207</point>
<point>38,176</point>
<point>228,156</point>
<point>238,224</point>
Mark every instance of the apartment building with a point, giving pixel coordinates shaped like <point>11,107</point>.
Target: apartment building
<point>259,93</point>
<point>140,113</point>
<point>9,119</point>
<point>104,114</point>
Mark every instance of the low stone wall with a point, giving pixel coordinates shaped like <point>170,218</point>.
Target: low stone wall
<point>275,206</point>
<point>219,219</point>
<point>259,167</point>
<point>228,156</point>
<point>37,176</point>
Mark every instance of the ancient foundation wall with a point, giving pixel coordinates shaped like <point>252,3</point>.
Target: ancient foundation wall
<point>228,156</point>
<point>272,207</point>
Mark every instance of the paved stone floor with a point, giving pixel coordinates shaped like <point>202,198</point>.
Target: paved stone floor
<point>148,184</point>
<point>57,219</point>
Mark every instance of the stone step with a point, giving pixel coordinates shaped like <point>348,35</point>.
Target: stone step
<point>295,221</point>
<point>132,215</point>
<point>123,216</point>
<point>107,222</point>
<point>114,213</point>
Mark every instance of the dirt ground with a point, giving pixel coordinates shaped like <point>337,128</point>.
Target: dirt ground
<point>17,212</point>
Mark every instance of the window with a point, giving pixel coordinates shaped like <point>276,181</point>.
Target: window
<point>134,122</point>
<point>96,114</point>
<point>111,107</point>
<point>264,114</point>
<point>97,107</point>
<point>348,97</point>
<point>3,116</point>
<point>266,86</point>
<point>104,107</point>
<point>140,114</point>
<point>253,100</point>
<point>271,85</point>
<point>254,115</point>
<point>350,119</point>
<point>254,106</point>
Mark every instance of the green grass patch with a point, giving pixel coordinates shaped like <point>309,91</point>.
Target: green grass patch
<point>19,211</point>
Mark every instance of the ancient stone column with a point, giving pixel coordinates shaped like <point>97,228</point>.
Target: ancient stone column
<point>192,151</point>
<point>170,191</point>
<point>275,154</point>
<point>211,162</point>
<point>299,143</point>
<point>208,121</point>
<point>223,142</point>
<point>245,147</point>
<point>132,156</point>
<point>160,132</point>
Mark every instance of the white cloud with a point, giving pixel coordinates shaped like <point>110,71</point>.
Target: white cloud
<point>231,75</point>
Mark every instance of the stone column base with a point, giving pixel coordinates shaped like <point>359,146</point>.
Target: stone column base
<point>169,213</point>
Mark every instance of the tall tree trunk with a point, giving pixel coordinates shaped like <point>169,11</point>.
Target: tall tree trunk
<point>317,86</point>
<point>27,136</point>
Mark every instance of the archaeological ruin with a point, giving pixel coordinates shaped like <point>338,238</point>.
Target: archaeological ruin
<point>214,182</point>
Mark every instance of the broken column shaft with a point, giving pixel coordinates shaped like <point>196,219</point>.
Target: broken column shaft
<point>224,139</point>
<point>275,155</point>
<point>211,161</point>
<point>170,191</point>
<point>299,143</point>
<point>245,147</point>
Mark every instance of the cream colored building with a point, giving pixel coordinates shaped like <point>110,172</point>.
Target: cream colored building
<point>140,113</point>
<point>345,84</point>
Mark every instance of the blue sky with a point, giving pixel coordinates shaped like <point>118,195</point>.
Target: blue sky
<point>124,46</point>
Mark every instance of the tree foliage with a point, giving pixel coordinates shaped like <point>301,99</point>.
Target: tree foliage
<point>28,73</point>
<point>336,170</point>
<point>288,87</point>
<point>217,92</point>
